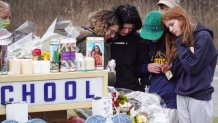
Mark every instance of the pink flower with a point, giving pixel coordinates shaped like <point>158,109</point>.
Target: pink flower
<point>36,52</point>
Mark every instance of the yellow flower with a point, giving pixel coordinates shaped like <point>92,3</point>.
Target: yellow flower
<point>45,55</point>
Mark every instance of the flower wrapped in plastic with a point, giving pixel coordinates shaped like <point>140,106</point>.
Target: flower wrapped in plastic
<point>24,39</point>
<point>23,47</point>
<point>59,29</point>
<point>152,106</point>
<point>122,103</point>
<point>145,107</point>
<point>25,29</point>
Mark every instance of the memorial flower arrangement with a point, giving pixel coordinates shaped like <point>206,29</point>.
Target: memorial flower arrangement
<point>122,104</point>
<point>40,55</point>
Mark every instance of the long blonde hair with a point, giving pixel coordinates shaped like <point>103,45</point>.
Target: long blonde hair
<point>187,24</point>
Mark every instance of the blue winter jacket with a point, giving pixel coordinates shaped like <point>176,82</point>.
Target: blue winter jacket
<point>159,83</point>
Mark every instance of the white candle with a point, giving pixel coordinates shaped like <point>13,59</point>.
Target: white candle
<point>41,66</point>
<point>45,66</point>
<point>90,63</point>
<point>37,68</point>
<point>26,66</point>
<point>14,66</point>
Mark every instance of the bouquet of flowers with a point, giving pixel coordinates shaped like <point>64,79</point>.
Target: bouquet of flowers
<point>121,103</point>
<point>40,55</point>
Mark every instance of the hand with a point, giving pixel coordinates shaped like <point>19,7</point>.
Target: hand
<point>154,68</point>
<point>112,69</point>
<point>165,67</point>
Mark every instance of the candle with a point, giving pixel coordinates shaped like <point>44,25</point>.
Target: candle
<point>90,63</point>
<point>26,66</point>
<point>14,66</point>
<point>45,66</point>
<point>80,62</point>
<point>41,66</point>
<point>37,68</point>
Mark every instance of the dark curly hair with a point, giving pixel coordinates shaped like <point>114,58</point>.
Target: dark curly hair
<point>128,14</point>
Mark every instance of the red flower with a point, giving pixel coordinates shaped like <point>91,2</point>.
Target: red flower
<point>114,94</point>
<point>116,103</point>
<point>36,52</point>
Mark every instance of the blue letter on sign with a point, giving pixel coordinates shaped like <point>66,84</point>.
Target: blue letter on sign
<point>88,90</point>
<point>31,93</point>
<point>3,89</point>
<point>53,94</point>
<point>71,84</point>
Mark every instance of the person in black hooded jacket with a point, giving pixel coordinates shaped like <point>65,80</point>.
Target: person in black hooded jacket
<point>128,49</point>
<point>194,68</point>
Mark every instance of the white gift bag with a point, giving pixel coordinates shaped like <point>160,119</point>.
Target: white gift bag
<point>17,111</point>
<point>102,106</point>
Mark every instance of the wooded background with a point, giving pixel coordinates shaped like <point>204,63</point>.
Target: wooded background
<point>43,12</point>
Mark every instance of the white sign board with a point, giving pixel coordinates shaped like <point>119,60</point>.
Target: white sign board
<point>47,92</point>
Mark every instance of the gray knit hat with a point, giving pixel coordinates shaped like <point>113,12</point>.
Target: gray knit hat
<point>169,3</point>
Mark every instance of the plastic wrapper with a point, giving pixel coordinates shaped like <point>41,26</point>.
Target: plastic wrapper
<point>22,48</point>
<point>24,30</point>
<point>24,39</point>
<point>111,65</point>
<point>66,28</point>
<point>59,29</point>
<point>159,117</point>
<point>44,42</point>
<point>150,104</point>
<point>5,37</point>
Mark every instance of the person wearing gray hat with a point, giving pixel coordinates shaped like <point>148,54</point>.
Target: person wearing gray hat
<point>5,20</point>
<point>166,4</point>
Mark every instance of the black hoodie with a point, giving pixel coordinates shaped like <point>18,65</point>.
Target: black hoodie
<point>128,51</point>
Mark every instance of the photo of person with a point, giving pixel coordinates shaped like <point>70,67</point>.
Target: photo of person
<point>98,55</point>
<point>92,52</point>
<point>63,47</point>
<point>91,49</point>
<point>71,47</point>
